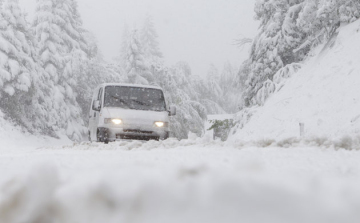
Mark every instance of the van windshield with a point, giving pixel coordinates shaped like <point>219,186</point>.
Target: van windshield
<point>136,98</point>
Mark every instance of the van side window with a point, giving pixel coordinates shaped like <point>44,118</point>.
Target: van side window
<point>100,96</point>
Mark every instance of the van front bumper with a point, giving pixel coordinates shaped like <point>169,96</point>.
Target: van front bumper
<point>114,133</point>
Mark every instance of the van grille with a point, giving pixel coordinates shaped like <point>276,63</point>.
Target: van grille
<point>137,131</point>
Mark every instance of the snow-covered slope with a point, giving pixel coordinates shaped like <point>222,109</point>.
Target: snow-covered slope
<point>324,95</point>
<point>14,138</point>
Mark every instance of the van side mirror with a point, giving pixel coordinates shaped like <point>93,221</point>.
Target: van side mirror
<point>96,105</point>
<point>172,111</point>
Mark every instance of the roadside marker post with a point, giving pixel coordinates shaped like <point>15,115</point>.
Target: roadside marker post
<point>302,129</point>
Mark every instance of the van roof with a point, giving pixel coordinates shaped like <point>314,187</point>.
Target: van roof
<point>129,85</point>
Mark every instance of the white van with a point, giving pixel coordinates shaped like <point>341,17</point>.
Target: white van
<point>126,111</point>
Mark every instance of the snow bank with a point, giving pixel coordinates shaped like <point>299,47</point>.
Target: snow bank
<point>13,137</point>
<point>197,180</point>
<point>324,95</point>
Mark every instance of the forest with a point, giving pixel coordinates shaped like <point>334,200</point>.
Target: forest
<point>49,66</point>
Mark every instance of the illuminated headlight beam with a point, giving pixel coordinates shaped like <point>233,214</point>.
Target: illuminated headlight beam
<point>116,121</point>
<point>160,124</point>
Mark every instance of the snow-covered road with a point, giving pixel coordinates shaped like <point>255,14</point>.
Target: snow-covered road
<point>197,180</point>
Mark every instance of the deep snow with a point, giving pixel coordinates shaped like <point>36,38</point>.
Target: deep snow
<point>195,180</point>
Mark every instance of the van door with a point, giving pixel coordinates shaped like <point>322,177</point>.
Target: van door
<point>92,115</point>
<point>96,114</point>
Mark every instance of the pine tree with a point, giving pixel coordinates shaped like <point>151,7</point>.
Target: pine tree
<point>150,45</point>
<point>229,88</point>
<point>213,79</point>
<point>58,34</point>
<point>136,67</point>
<point>16,49</point>
<point>349,11</point>
<point>124,46</point>
<point>265,57</point>
<point>191,114</point>
<point>332,13</point>
<point>288,31</point>
<point>17,65</point>
<point>278,44</point>
<point>149,41</point>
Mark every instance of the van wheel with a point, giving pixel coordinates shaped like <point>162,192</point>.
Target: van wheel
<point>102,135</point>
<point>99,137</point>
<point>165,137</point>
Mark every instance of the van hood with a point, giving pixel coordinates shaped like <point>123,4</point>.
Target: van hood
<point>131,116</point>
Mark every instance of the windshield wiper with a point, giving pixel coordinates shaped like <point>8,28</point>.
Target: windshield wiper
<point>140,102</point>
<point>121,100</point>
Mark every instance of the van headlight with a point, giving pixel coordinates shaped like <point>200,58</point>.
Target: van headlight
<point>161,124</point>
<point>115,121</point>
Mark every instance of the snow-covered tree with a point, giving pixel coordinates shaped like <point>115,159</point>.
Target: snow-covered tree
<point>136,66</point>
<point>95,71</point>
<point>182,75</point>
<point>265,57</point>
<point>332,13</point>
<point>288,31</point>
<point>231,90</point>
<point>17,65</point>
<point>349,11</point>
<point>151,49</point>
<point>16,50</point>
<point>213,80</point>
<point>149,42</point>
<point>60,42</point>
<point>206,90</point>
<point>124,46</point>
<point>191,114</point>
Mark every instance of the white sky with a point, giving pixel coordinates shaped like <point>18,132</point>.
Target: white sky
<point>197,31</point>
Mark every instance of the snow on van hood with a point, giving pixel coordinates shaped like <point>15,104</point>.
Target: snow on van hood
<point>139,116</point>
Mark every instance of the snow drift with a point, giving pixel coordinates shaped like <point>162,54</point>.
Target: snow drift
<point>17,139</point>
<point>324,95</point>
<point>197,180</point>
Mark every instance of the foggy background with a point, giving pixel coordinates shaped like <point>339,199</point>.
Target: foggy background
<point>197,31</point>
